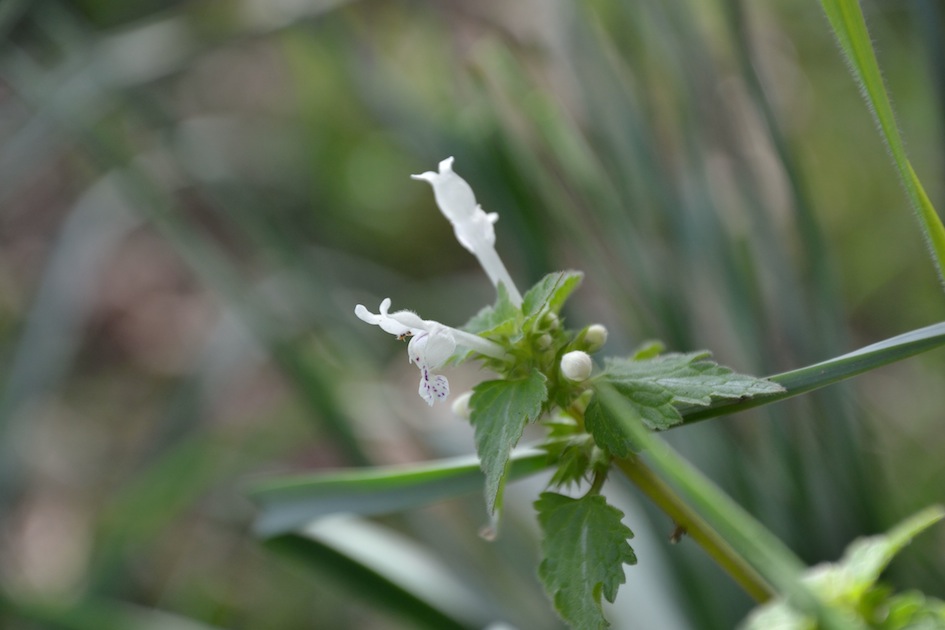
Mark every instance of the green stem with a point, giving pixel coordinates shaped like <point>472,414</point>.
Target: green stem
<point>661,494</point>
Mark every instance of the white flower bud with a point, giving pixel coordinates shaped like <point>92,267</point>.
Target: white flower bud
<point>461,405</point>
<point>576,366</point>
<point>595,337</point>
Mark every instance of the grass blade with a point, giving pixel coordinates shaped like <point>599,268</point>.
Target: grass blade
<point>288,503</point>
<point>846,20</point>
<point>385,569</point>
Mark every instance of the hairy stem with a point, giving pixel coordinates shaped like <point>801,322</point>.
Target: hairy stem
<point>696,528</point>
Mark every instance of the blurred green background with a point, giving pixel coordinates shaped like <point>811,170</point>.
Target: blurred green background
<point>195,194</point>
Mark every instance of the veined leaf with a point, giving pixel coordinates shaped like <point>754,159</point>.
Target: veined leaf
<point>584,549</point>
<point>655,385</point>
<point>825,373</point>
<point>500,411</point>
<point>690,378</point>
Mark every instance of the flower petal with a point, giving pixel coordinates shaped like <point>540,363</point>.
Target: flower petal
<point>393,324</point>
<point>433,387</point>
<point>453,194</point>
<point>432,348</point>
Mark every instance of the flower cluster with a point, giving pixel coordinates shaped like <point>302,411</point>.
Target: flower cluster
<point>432,343</point>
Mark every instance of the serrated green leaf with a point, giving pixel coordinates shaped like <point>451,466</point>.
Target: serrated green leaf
<point>503,318</point>
<point>574,460</point>
<point>499,412</point>
<point>654,386</point>
<point>691,378</point>
<point>606,432</point>
<point>584,549</point>
<point>811,377</point>
<point>551,292</point>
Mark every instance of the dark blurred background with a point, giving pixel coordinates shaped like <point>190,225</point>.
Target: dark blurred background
<point>195,194</point>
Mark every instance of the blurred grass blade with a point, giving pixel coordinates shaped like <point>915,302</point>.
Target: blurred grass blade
<point>361,579</point>
<point>387,569</point>
<point>831,371</point>
<point>773,561</point>
<point>288,503</point>
<point>846,19</point>
<point>92,614</point>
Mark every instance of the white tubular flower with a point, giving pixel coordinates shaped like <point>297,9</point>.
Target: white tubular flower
<point>473,227</point>
<point>431,344</point>
<point>576,366</point>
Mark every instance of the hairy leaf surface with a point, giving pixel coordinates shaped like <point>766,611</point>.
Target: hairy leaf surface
<point>500,411</point>
<point>656,385</point>
<point>584,547</point>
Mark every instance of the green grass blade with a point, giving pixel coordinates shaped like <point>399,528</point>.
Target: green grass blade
<point>372,585</point>
<point>846,20</point>
<point>819,375</point>
<point>288,503</point>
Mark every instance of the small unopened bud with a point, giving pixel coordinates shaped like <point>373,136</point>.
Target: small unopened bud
<point>545,341</point>
<point>550,321</point>
<point>461,405</point>
<point>576,366</point>
<point>595,337</point>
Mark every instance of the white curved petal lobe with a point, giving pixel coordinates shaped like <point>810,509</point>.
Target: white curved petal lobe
<point>474,228</point>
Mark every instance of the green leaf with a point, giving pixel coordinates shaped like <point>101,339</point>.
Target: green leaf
<point>288,503</point>
<point>866,558</point>
<point>500,411</point>
<point>550,293</point>
<point>654,386</point>
<point>574,457</point>
<point>690,378</point>
<point>584,549</point>
<point>849,584</point>
<point>846,19</point>
<point>499,320</point>
<point>913,610</point>
<point>825,373</point>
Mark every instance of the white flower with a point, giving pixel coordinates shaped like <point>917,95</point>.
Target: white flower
<point>576,366</point>
<point>431,344</point>
<point>472,226</point>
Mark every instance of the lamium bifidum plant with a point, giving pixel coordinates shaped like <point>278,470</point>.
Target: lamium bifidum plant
<point>600,418</point>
